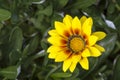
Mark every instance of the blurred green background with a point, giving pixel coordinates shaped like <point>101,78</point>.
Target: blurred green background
<point>23,39</point>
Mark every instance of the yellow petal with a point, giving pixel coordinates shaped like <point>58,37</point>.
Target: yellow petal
<point>95,52</point>
<point>61,56</point>
<point>66,64</point>
<point>76,57</point>
<point>82,19</point>
<point>76,25</point>
<point>92,40</point>
<point>67,20</point>
<point>100,48</point>
<point>53,33</point>
<point>99,34</point>
<point>84,63</point>
<point>56,40</point>
<point>54,49</point>
<point>52,55</point>
<point>73,66</point>
<point>87,25</point>
<point>61,28</point>
<point>86,53</point>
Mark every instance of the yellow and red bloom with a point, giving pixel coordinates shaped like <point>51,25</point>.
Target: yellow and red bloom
<point>73,42</point>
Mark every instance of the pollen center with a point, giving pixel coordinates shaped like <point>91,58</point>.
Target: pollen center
<point>76,44</point>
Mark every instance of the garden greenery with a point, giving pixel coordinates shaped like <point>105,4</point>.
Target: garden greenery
<point>24,27</point>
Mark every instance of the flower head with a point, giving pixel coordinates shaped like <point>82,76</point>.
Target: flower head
<point>72,42</point>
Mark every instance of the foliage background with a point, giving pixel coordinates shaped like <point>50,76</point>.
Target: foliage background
<point>23,39</point>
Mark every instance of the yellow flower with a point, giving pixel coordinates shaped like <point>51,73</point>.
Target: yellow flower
<point>72,42</point>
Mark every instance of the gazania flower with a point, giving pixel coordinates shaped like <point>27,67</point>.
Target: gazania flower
<point>72,42</point>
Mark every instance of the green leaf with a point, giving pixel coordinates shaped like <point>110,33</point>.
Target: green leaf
<point>15,40</point>
<point>27,60</point>
<point>83,3</point>
<point>92,64</point>
<point>62,3</point>
<point>111,8</point>
<point>56,17</point>
<point>118,2</point>
<point>116,69</point>
<point>14,56</point>
<point>44,44</point>
<point>52,71</point>
<point>1,26</point>
<point>74,75</point>
<point>116,21</point>
<point>108,43</point>
<point>39,54</point>
<point>9,72</point>
<point>4,14</point>
<point>33,44</point>
<point>61,75</point>
<point>47,11</point>
<point>93,12</point>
